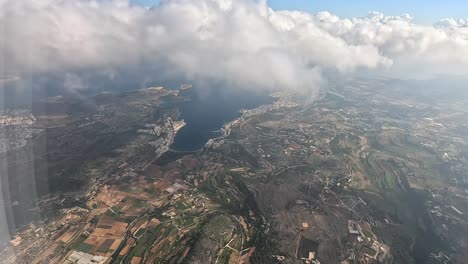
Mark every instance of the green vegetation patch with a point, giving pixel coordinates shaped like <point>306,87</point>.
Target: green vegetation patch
<point>84,247</point>
<point>78,242</point>
<point>149,236</point>
<point>219,228</point>
<point>181,205</point>
<point>143,244</point>
<point>367,233</point>
<point>140,232</point>
<point>369,251</point>
<point>139,203</point>
<point>106,245</point>
<point>225,256</point>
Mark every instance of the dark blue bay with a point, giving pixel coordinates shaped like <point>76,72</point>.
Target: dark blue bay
<point>206,114</point>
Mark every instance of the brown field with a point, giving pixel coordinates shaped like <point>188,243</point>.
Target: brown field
<point>190,163</point>
<point>136,260</point>
<point>104,246</point>
<point>65,238</point>
<point>153,171</point>
<point>107,236</point>
<point>117,229</point>
<point>45,254</point>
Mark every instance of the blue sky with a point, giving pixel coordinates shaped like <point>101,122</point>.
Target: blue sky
<point>425,11</point>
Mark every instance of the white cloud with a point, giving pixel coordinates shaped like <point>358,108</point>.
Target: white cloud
<point>239,43</point>
<point>452,23</point>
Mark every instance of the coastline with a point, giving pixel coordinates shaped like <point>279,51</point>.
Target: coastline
<point>282,101</point>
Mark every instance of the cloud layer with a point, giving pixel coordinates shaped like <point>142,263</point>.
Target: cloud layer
<point>232,43</point>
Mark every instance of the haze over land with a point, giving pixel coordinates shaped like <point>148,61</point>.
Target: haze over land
<point>241,44</point>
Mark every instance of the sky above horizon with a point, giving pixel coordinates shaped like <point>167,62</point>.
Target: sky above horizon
<point>423,11</point>
<point>228,44</point>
